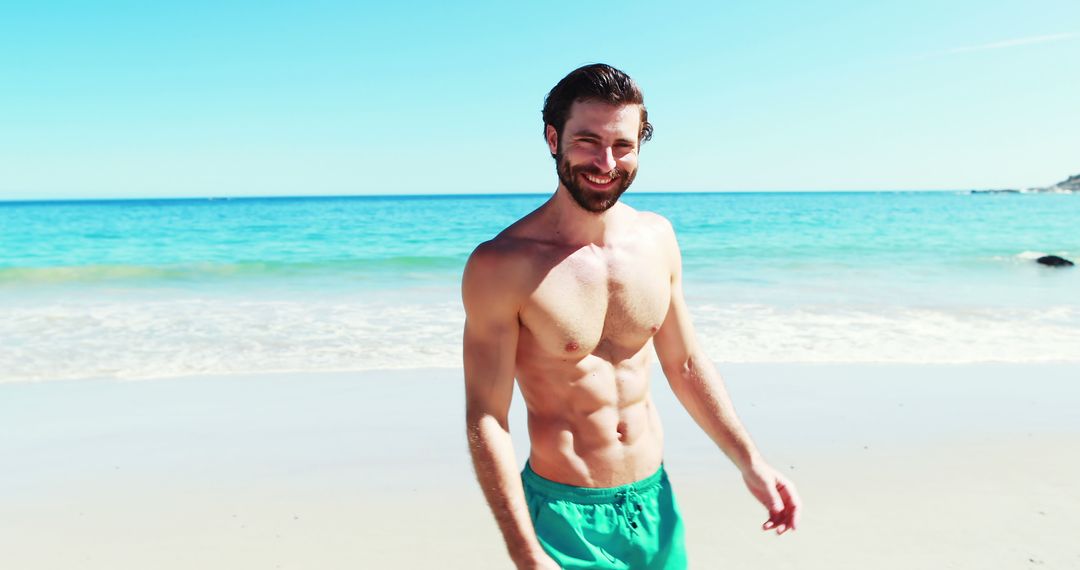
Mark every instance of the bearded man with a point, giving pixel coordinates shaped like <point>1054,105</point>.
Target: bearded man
<point>572,300</point>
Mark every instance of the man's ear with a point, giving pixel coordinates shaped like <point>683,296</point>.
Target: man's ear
<point>552,137</point>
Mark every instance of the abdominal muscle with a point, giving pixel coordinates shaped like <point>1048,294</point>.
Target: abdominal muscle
<point>592,422</point>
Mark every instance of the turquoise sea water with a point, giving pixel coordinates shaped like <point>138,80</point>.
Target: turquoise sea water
<point>165,287</point>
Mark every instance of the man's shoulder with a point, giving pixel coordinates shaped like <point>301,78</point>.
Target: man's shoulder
<point>659,233</point>
<point>500,266</point>
<point>505,249</point>
<point>653,219</point>
<point>653,222</point>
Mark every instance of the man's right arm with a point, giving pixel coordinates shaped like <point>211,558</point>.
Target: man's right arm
<point>490,345</point>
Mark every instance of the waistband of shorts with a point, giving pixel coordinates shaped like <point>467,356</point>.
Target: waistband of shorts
<point>561,491</point>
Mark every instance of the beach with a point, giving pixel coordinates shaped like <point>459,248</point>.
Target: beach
<point>277,383</point>
<point>900,466</point>
<point>233,252</point>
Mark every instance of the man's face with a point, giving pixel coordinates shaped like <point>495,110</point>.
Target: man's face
<point>597,156</point>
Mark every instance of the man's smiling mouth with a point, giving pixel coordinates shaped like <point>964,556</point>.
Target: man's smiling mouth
<point>600,179</point>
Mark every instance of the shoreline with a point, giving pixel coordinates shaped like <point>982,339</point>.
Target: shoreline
<point>358,373</point>
<point>900,466</point>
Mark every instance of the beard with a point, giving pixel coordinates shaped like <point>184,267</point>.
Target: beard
<point>592,200</point>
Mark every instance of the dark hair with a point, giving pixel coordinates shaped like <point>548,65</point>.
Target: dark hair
<point>594,82</point>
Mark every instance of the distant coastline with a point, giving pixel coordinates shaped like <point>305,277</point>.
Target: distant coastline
<point>1070,185</point>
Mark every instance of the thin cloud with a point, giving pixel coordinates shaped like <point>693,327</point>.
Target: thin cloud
<point>1016,42</point>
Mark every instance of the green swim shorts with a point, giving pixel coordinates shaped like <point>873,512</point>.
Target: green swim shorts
<point>635,526</point>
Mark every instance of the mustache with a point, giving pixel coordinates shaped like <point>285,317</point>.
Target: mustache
<point>613,173</point>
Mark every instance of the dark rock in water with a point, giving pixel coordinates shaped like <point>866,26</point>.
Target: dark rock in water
<point>1054,261</point>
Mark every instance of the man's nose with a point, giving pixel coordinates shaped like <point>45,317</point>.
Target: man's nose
<point>605,160</point>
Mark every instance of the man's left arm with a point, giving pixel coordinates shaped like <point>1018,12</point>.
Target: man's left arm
<point>696,383</point>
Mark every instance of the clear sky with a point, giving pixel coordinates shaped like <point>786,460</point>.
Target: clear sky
<point>169,99</point>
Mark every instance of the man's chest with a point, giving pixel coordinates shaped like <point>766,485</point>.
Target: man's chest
<point>588,302</point>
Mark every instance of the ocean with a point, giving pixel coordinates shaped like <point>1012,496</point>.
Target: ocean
<point>150,288</point>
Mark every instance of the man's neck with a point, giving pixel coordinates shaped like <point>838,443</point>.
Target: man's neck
<point>573,224</point>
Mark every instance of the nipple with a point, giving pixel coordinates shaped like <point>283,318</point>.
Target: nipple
<point>572,346</point>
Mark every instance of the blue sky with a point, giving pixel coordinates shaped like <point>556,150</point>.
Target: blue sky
<point>157,99</point>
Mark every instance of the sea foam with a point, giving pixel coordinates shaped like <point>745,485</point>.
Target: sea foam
<point>179,337</point>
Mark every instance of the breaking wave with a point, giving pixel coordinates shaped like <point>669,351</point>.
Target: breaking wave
<point>136,340</point>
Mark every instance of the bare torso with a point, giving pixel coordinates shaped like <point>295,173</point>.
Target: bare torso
<point>588,314</point>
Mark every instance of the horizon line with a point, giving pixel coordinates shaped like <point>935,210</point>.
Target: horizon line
<point>449,195</point>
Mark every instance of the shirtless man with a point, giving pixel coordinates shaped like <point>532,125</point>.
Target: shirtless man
<point>572,300</point>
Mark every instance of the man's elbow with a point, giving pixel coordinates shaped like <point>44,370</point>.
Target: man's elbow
<point>675,362</point>
<point>479,419</point>
<point>682,369</point>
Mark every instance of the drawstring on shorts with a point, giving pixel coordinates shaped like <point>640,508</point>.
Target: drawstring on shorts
<point>629,502</point>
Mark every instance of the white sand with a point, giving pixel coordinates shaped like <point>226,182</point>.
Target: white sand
<point>974,466</point>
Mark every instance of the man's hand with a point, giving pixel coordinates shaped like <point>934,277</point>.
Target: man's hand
<point>777,494</point>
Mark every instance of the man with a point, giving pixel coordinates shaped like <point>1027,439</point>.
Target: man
<point>571,300</point>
